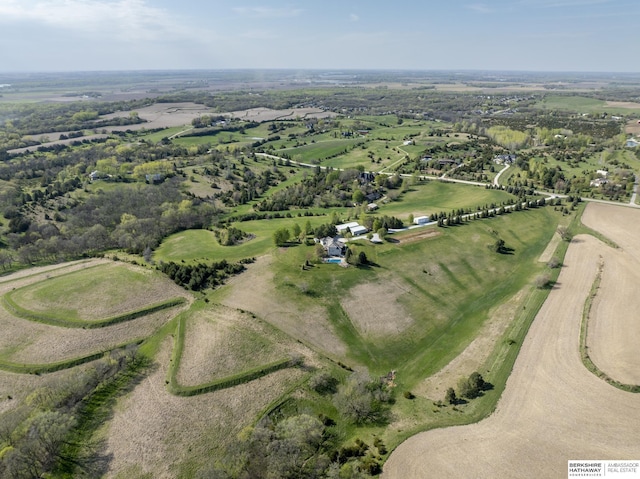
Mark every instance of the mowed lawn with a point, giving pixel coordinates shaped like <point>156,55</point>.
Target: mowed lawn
<point>446,284</point>
<point>431,197</point>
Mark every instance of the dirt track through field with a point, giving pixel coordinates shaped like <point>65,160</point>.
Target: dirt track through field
<point>553,409</point>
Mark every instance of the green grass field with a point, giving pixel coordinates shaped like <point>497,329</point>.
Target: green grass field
<point>451,282</point>
<point>430,197</point>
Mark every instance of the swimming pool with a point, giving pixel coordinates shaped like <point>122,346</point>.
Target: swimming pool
<point>333,260</point>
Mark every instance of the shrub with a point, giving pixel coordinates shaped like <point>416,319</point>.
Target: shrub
<point>323,383</point>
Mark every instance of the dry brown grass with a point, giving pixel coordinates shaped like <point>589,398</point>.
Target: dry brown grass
<point>221,341</point>
<point>374,309</point>
<point>254,291</point>
<point>547,254</point>
<point>156,433</point>
<point>14,388</point>
<point>553,409</point>
<point>36,343</point>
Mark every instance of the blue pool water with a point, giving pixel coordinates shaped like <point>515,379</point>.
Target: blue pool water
<point>334,260</point>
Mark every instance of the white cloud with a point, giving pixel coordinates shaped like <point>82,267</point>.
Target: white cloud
<point>267,12</point>
<point>121,19</point>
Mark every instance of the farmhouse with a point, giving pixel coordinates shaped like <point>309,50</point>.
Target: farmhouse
<point>505,159</point>
<point>333,246</point>
<point>421,220</point>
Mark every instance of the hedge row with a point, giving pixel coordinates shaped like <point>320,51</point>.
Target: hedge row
<point>23,313</point>
<point>58,366</point>
<point>230,381</point>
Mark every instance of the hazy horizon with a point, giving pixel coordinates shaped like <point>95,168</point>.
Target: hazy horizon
<point>576,36</point>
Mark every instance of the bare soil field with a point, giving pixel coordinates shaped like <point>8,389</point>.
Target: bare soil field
<point>169,115</point>
<point>267,114</point>
<point>632,127</point>
<point>153,432</point>
<point>418,235</point>
<point>620,224</point>
<point>162,115</point>
<point>374,309</point>
<point>221,341</point>
<point>613,337</point>
<point>553,409</point>
<point>624,104</point>
<point>254,291</point>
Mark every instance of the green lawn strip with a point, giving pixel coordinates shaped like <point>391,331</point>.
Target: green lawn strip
<point>11,306</point>
<point>21,368</point>
<point>222,383</point>
<point>584,349</point>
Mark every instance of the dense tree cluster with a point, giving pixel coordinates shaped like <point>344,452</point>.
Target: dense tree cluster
<point>40,433</point>
<point>323,189</point>
<point>197,277</point>
<point>230,236</point>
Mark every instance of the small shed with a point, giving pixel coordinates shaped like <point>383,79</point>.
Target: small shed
<point>372,206</point>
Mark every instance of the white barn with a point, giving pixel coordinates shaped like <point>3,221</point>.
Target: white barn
<point>342,229</point>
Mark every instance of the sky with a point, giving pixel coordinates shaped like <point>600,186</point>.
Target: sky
<point>514,35</point>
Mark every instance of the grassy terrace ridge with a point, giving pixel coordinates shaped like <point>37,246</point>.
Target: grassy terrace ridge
<point>54,320</point>
<point>584,349</point>
<point>21,368</point>
<point>221,383</point>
